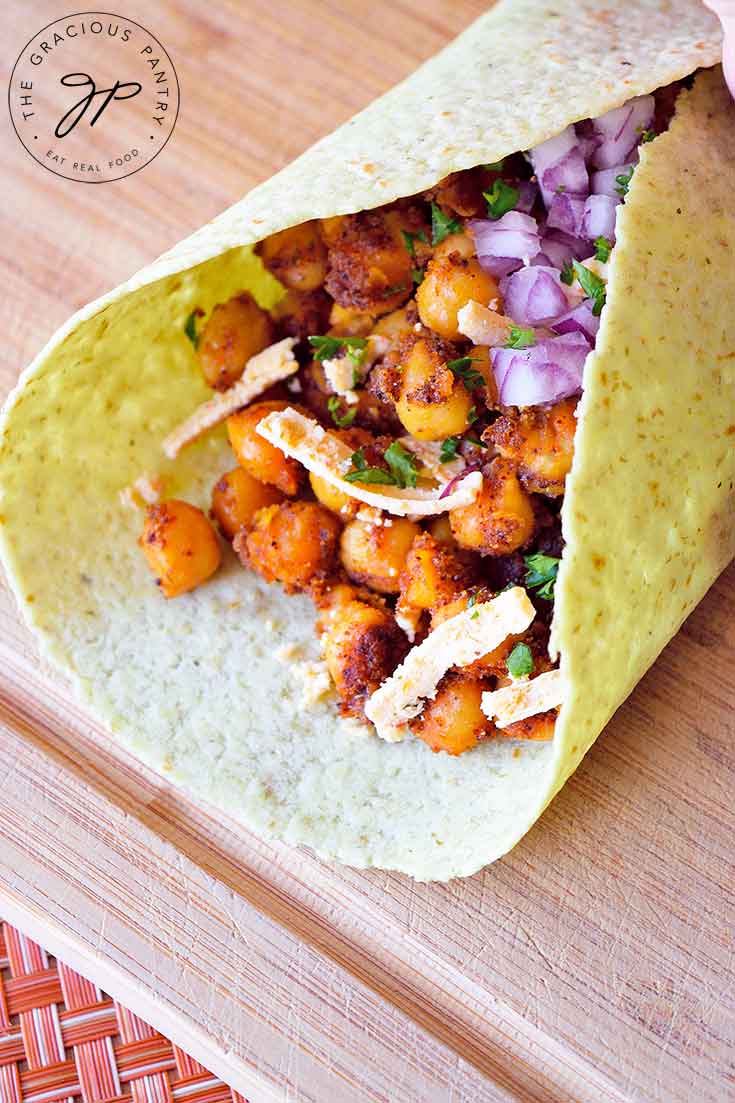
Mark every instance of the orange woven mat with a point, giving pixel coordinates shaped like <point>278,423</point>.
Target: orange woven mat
<point>61,1038</point>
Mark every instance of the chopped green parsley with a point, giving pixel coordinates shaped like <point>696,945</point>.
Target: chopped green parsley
<point>592,285</point>
<point>442,225</point>
<point>462,369</point>
<point>448,449</point>
<point>410,240</point>
<point>500,199</point>
<point>401,463</point>
<point>623,182</point>
<point>520,338</point>
<point>541,572</point>
<point>343,421</point>
<point>190,327</point>
<point>520,661</point>
<point>327,348</point>
<point>567,273</point>
<point>603,249</point>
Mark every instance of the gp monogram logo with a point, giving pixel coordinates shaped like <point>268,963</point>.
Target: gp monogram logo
<point>94,97</point>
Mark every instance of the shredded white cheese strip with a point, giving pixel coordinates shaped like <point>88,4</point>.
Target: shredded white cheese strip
<point>525,697</point>
<point>459,641</point>
<point>147,490</point>
<point>483,325</point>
<point>330,458</point>
<point>270,366</point>
<point>344,374</point>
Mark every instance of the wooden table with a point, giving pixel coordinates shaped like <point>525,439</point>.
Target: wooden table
<point>595,963</point>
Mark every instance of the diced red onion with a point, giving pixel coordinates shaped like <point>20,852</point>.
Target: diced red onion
<point>560,248</point>
<point>567,175</point>
<point>579,320</point>
<point>507,243</point>
<point>599,217</point>
<point>547,372</point>
<point>501,359</point>
<point>533,295</point>
<point>454,483</point>
<point>586,138</point>
<point>565,213</point>
<point>605,182</point>
<point>619,131</point>
<point>527,196</point>
<point>548,154</point>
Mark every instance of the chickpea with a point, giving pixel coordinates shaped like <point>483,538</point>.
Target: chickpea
<point>540,726</point>
<point>432,403</point>
<point>235,331</point>
<point>376,554</point>
<point>449,284</point>
<point>297,257</point>
<point>441,530</point>
<point>328,494</point>
<point>363,645</point>
<point>180,546</point>
<point>346,322</point>
<point>369,265</point>
<point>432,575</point>
<point>463,244</point>
<point>333,498</point>
<point>453,721</point>
<point>500,519</point>
<point>541,442</point>
<point>301,314</point>
<point>461,193</point>
<point>258,456</point>
<point>237,497</point>
<point>331,228</point>
<point>399,323</point>
<point>294,543</point>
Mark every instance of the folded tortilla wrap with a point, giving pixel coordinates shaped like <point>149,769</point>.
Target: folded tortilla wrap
<point>194,686</point>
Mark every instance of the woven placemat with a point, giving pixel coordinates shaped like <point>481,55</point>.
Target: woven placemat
<point>61,1038</point>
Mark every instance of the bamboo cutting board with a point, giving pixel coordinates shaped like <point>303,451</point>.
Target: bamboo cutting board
<point>595,963</point>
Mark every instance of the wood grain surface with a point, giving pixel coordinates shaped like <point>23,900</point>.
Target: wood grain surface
<point>595,963</point>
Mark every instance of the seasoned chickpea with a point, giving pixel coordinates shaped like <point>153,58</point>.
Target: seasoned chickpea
<point>461,193</point>
<point>397,324</point>
<point>432,575</point>
<point>441,530</point>
<point>362,647</point>
<point>541,442</point>
<point>180,546</point>
<point>258,456</point>
<point>297,257</point>
<point>237,497</point>
<point>333,498</point>
<point>538,727</point>
<point>500,519</point>
<point>346,322</point>
<point>301,314</point>
<point>432,403</point>
<point>463,244</point>
<point>294,543</point>
<point>369,265</point>
<point>376,554</point>
<point>235,331</point>
<point>449,284</point>
<point>453,721</point>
